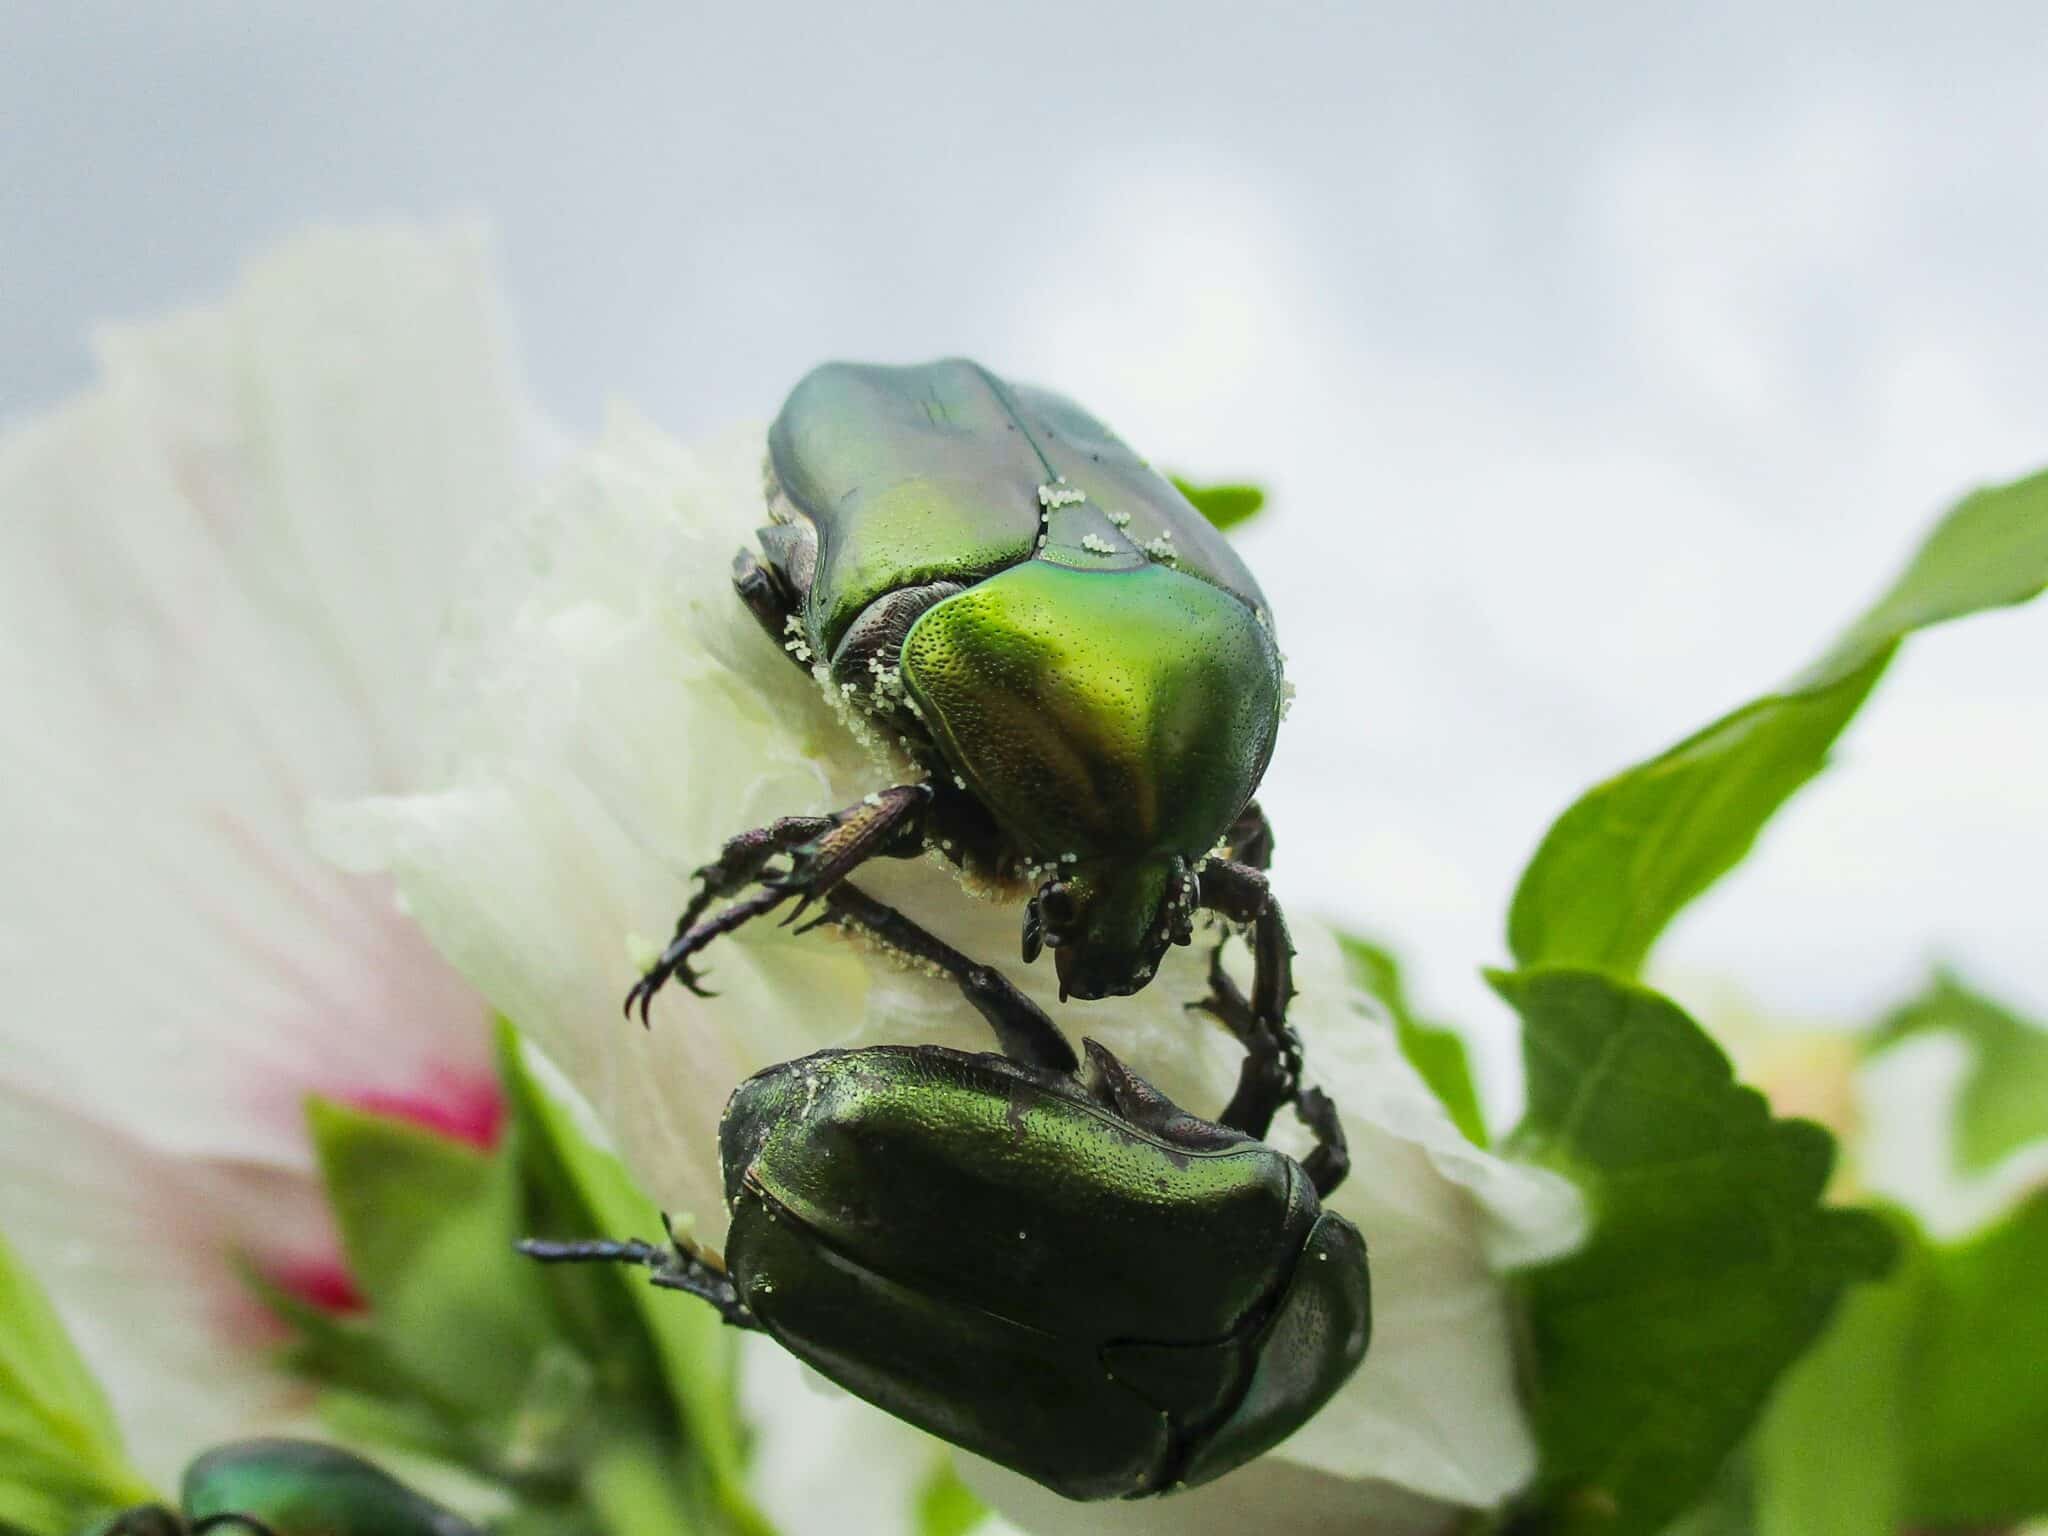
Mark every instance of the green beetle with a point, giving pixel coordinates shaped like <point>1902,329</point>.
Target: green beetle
<point>1072,1277</point>
<point>1081,671</point>
<point>290,1488</point>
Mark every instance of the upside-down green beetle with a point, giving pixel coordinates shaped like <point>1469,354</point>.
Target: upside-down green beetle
<point>1070,1276</point>
<point>289,1488</point>
<point>1080,668</point>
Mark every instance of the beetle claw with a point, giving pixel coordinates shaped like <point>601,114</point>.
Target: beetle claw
<point>642,993</point>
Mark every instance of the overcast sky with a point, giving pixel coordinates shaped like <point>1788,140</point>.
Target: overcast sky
<point>1602,359</point>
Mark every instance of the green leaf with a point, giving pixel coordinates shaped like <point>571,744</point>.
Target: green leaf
<point>1618,865</point>
<point>1434,1050</point>
<point>692,1347</point>
<point>593,1302</point>
<point>1727,1508</point>
<point>1925,1406</point>
<point>1990,551</point>
<point>1224,505</point>
<point>60,1449</point>
<point>1831,1457</point>
<point>2004,1102</point>
<point>427,1225</point>
<point>1978,1382</point>
<point>1711,1264</point>
<point>946,1506</point>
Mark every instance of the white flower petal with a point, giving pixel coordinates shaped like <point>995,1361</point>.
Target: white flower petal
<point>1909,1095</point>
<point>221,575</point>
<point>617,714</point>
<point>822,1461</point>
<point>137,1251</point>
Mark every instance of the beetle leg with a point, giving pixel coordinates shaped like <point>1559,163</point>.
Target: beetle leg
<point>880,824</point>
<point>1266,1081</point>
<point>1331,1160</point>
<point>822,849</point>
<point>1271,1075</point>
<point>675,960</point>
<point>1240,894</point>
<point>677,1267</point>
<point>1021,1026</point>
<point>741,861</point>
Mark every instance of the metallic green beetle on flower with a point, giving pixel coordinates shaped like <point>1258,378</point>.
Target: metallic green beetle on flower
<point>289,1488</point>
<point>1070,1276</point>
<point>1079,668</point>
<point>1051,1265</point>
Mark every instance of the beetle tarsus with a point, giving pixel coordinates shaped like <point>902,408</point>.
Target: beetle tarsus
<point>1021,1026</point>
<point>675,960</point>
<point>823,850</point>
<point>1271,1075</point>
<point>744,857</point>
<point>741,860</point>
<point>1331,1159</point>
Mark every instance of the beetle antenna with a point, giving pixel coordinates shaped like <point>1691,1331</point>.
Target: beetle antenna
<point>631,1251</point>
<point>680,1267</point>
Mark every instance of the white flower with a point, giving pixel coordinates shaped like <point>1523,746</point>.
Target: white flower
<point>222,575</point>
<point>611,713</point>
<point>219,573</point>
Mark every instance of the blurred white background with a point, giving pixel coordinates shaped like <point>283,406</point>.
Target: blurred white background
<point>1602,359</point>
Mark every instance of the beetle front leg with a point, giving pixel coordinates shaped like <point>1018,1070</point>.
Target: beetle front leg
<point>1272,1067</point>
<point>1021,1027</point>
<point>1271,1072</point>
<point>1240,894</point>
<point>677,1267</point>
<point>823,850</point>
<point>1327,1165</point>
<point>739,864</point>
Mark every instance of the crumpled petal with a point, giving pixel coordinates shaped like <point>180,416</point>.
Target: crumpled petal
<point>1269,1495</point>
<point>611,714</point>
<point>221,575</point>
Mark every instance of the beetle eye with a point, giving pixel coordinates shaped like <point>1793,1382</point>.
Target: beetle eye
<point>1056,905</point>
<point>1034,933</point>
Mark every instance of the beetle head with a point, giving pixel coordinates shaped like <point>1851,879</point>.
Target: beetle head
<point>1109,922</point>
